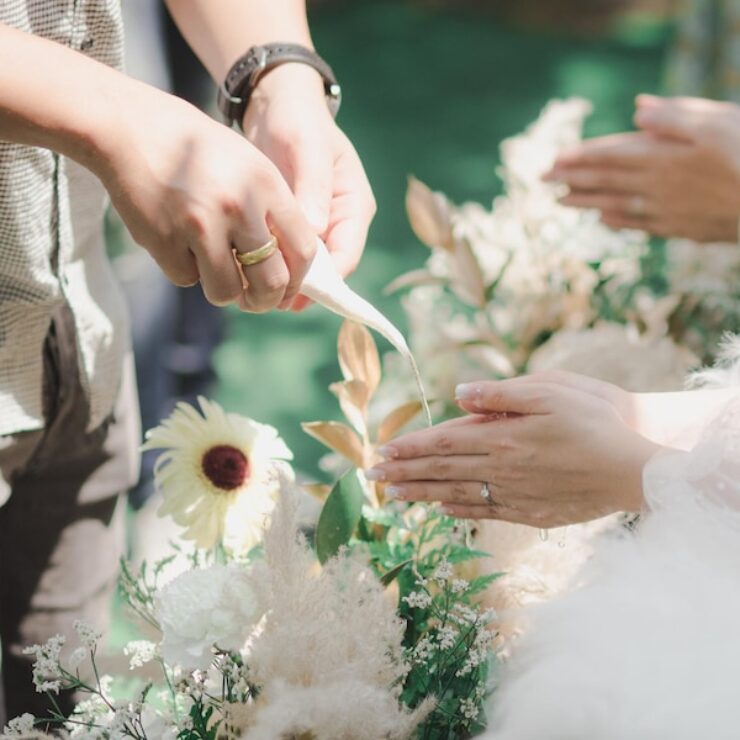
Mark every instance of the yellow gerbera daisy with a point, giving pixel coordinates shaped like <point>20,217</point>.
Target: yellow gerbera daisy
<point>218,472</point>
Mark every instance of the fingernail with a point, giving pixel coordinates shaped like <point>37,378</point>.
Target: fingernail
<point>388,452</point>
<point>393,492</point>
<point>375,474</point>
<point>468,392</point>
<point>550,175</point>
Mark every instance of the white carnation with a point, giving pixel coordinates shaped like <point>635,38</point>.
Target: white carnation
<point>204,608</point>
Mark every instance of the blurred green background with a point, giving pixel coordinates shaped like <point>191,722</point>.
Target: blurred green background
<point>431,91</point>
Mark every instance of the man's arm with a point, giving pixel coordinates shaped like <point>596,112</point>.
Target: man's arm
<point>220,32</point>
<point>67,110</point>
<point>188,188</point>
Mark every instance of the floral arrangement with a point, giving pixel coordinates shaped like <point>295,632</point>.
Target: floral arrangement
<point>272,630</point>
<point>531,285</point>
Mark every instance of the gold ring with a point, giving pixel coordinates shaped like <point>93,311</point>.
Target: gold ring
<point>258,255</point>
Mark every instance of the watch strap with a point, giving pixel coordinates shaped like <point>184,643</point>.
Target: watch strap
<point>246,72</point>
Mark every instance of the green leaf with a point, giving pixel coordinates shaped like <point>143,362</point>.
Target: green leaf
<point>482,583</point>
<point>462,555</point>
<point>393,573</point>
<point>340,515</point>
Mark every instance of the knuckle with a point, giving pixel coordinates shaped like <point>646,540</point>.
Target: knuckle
<point>443,443</point>
<point>275,283</point>
<point>306,250</point>
<point>195,223</point>
<point>231,207</point>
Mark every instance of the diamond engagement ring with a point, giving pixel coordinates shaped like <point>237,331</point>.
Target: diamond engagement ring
<point>486,495</point>
<point>258,255</point>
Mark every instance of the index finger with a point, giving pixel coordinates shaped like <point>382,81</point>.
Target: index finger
<point>469,436</point>
<point>617,150</point>
<point>296,240</point>
<point>352,210</point>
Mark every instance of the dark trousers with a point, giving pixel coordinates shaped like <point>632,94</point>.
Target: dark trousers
<point>61,527</point>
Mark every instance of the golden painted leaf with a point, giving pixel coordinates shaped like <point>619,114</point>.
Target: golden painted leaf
<point>397,419</point>
<point>468,282</point>
<point>338,437</point>
<point>430,215</point>
<point>358,355</point>
<point>353,398</point>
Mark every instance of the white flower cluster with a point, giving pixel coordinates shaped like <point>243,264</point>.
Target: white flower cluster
<point>470,707</point>
<point>47,671</point>
<point>478,654</point>
<point>418,599</point>
<point>22,726</point>
<point>140,652</point>
<point>88,635</point>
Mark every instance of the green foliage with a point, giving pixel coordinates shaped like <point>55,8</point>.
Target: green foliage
<point>340,516</point>
<point>447,641</point>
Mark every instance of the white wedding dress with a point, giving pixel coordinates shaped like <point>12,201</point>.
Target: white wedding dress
<point>648,646</point>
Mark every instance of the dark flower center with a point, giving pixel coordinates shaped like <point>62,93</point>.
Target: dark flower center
<point>226,467</point>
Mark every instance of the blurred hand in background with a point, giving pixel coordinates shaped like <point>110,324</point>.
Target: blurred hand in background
<point>678,176</point>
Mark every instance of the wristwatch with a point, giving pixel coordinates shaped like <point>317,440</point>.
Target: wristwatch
<point>234,94</point>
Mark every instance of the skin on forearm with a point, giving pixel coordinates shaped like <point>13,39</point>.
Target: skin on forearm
<point>220,31</point>
<point>678,419</point>
<point>54,97</point>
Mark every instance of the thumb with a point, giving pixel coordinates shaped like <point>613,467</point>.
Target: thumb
<point>313,176</point>
<point>505,396</point>
<point>674,118</point>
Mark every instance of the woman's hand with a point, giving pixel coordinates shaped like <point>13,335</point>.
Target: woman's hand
<point>678,176</point>
<point>288,120</point>
<point>552,454</point>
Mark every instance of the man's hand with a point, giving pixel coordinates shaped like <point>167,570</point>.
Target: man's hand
<point>679,176</point>
<point>189,189</point>
<point>288,120</point>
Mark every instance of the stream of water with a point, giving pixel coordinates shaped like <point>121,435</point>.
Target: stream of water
<point>324,285</point>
